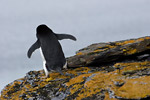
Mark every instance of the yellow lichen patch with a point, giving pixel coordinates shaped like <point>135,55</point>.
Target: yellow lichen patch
<point>134,88</point>
<point>110,46</point>
<point>82,70</point>
<point>56,75</point>
<point>80,53</point>
<point>76,88</point>
<point>101,49</point>
<point>132,67</point>
<point>49,79</point>
<point>142,39</point>
<point>10,88</point>
<point>132,41</point>
<point>22,87</point>
<point>94,81</point>
<point>77,70</point>
<point>97,51</point>
<point>106,47</point>
<point>130,51</point>
<point>82,84</point>
<point>101,81</point>
<point>104,81</point>
<point>86,92</point>
<point>125,42</point>
<point>16,91</point>
<point>77,79</point>
<point>147,37</point>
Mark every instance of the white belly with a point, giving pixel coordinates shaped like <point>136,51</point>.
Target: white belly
<point>44,63</point>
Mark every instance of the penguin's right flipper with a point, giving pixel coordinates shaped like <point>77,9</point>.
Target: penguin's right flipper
<point>65,36</point>
<point>35,46</point>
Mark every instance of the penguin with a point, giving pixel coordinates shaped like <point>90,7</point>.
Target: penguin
<point>50,49</point>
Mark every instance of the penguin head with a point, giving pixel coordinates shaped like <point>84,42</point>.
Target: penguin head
<point>43,29</point>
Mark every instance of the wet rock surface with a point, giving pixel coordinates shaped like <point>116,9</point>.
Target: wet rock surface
<point>104,71</point>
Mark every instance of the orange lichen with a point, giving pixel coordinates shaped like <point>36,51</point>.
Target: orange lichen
<point>80,53</point>
<point>129,51</point>
<point>125,42</point>
<point>12,91</point>
<point>76,88</point>
<point>97,51</point>
<point>81,70</point>
<point>147,37</point>
<point>132,67</point>
<point>84,84</point>
<point>135,64</point>
<point>77,79</point>
<point>132,41</point>
<point>110,46</point>
<point>86,92</point>
<point>106,47</point>
<point>142,39</point>
<point>134,88</point>
<point>56,75</point>
<point>103,81</point>
<point>101,49</point>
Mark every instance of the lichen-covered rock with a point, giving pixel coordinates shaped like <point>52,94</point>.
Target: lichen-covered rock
<point>125,76</point>
<point>104,53</point>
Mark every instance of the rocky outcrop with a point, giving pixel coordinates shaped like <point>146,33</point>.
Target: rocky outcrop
<point>104,71</point>
<point>104,53</point>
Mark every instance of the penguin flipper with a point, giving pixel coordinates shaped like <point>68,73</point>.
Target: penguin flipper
<point>35,46</point>
<point>65,36</point>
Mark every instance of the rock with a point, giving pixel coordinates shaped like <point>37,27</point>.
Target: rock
<point>104,53</point>
<point>105,71</point>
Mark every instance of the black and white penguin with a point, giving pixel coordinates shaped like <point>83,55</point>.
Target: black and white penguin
<point>50,48</point>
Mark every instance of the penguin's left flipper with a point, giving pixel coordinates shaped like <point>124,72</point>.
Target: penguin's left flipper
<point>35,46</point>
<point>65,36</point>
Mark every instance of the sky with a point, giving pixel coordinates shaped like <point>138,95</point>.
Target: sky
<point>90,21</point>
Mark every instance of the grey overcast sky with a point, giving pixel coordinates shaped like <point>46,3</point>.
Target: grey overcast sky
<point>91,21</point>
